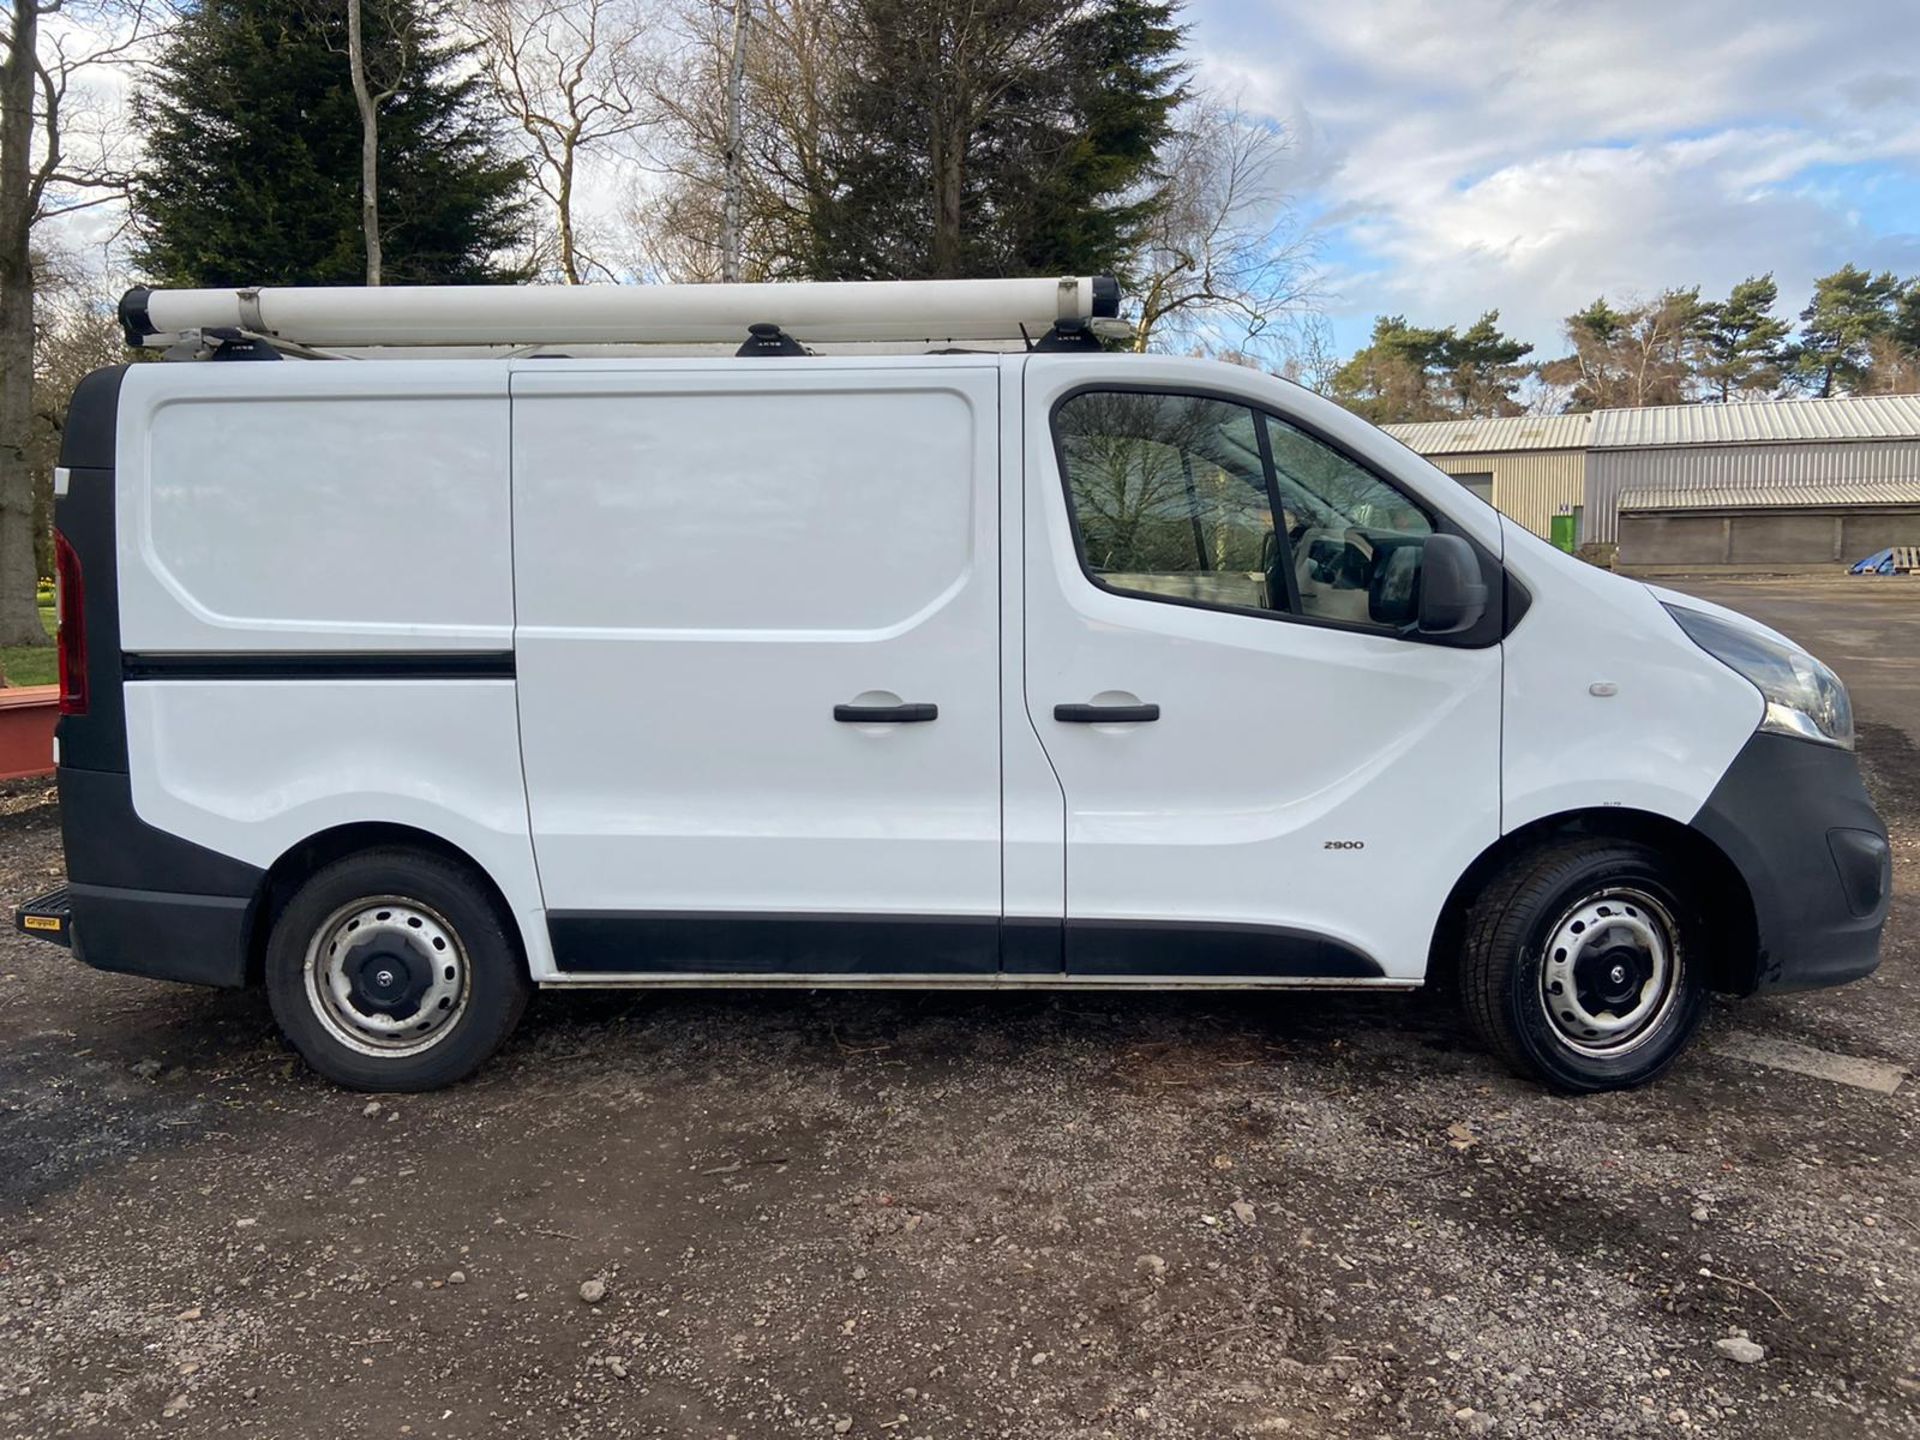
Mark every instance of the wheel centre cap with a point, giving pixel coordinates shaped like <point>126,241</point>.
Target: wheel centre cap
<point>1615,977</point>
<point>385,979</point>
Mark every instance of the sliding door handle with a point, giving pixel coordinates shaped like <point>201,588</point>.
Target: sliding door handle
<point>885,714</point>
<point>1106,714</point>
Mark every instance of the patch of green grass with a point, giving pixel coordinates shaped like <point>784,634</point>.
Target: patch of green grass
<point>32,664</point>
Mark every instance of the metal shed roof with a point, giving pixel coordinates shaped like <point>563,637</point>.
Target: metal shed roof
<point>1747,422</point>
<point>1772,497</point>
<point>1759,422</point>
<point>1488,437</point>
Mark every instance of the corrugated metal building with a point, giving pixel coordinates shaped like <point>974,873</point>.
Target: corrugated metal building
<point>1757,443</point>
<point>1742,526</point>
<point>1821,451</point>
<point>1531,467</point>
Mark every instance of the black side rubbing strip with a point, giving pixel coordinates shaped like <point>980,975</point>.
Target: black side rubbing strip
<point>668,943</point>
<point>1180,947</point>
<point>743,945</point>
<point>324,665</point>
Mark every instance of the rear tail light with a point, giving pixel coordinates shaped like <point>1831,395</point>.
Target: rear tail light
<point>70,608</point>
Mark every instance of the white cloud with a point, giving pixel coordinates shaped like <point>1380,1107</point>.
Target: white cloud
<point>1529,156</point>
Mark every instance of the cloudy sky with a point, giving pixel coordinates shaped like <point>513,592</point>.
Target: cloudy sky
<point>1454,156</point>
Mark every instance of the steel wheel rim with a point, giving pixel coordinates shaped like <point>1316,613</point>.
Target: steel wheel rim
<point>1610,971</point>
<point>387,976</point>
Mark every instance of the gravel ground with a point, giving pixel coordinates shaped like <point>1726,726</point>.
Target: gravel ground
<point>967,1215</point>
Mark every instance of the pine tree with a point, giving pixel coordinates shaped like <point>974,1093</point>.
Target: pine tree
<point>1743,345</point>
<point>995,137</point>
<point>1071,193</point>
<point>252,173</point>
<point>1851,309</point>
<point>1410,373</point>
<point>1484,367</point>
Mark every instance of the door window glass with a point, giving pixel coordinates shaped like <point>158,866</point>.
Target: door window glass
<point>1173,498</point>
<point>1355,540</point>
<point>1170,498</point>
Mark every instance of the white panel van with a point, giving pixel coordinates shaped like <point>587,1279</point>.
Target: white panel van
<point>406,686</point>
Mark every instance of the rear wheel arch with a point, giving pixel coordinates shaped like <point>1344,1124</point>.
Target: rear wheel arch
<point>310,856</point>
<point>1732,965</point>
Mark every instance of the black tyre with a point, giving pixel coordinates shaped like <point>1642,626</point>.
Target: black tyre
<point>395,970</point>
<point>1582,965</point>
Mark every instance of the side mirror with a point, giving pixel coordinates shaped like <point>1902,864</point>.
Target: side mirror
<point>1453,595</point>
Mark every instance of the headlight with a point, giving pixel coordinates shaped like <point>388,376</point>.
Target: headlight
<point>1804,697</point>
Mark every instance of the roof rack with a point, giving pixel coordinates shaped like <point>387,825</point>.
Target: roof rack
<point>313,321</point>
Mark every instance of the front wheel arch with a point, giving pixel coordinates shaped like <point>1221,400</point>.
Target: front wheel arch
<point>1732,967</point>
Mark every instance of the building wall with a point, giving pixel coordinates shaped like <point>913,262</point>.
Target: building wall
<point>1810,536</point>
<point>1528,487</point>
<point>1609,472</point>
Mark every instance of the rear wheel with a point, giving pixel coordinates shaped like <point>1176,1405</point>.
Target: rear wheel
<point>1582,964</point>
<point>395,970</point>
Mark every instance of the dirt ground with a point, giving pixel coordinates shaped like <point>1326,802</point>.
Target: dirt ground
<point>968,1215</point>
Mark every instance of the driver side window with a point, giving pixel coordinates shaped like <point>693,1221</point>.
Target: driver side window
<point>1175,497</point>
<point>1355,540</point>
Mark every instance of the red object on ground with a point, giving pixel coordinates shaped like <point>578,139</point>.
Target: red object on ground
<point>27,717</point>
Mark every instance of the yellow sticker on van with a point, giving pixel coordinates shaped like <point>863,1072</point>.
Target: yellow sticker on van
<point>41,922</point>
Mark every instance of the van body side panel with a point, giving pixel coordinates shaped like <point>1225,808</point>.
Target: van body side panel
<point>1307,797</point>
<point>253,767</point>
<point>1032,937</point>
<point>296,507</point>
<point>314,630</point>
<point>1660,742</point>
<point>712,557</point>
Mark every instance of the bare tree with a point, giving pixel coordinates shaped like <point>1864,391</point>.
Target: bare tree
<point>735,161</point>
<point>1626,358</point>
<point>793,68</point>
<point>55,160</point>
<point>574,75</point>
<point>1311,357</point>
<point>404,27</point>
<point>1220,254</point>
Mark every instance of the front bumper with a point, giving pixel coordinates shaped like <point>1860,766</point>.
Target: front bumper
<point>1796,822</point>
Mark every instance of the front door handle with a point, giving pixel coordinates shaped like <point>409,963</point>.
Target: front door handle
<point>1106,714</point>
<point>886,714</point>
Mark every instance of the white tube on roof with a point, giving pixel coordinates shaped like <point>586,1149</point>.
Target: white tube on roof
<point>931,310</point>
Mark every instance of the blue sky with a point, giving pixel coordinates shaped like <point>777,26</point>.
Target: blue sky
<point>1455,156</point>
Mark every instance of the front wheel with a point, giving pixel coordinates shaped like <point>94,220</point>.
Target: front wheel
<point>395,970</point>
<point>1582,965</point>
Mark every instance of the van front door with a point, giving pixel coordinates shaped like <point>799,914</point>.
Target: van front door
<point>1267,775</point>
<point>757,638</point>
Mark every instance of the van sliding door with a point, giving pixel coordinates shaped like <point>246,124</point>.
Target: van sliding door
<point>757,629</point>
